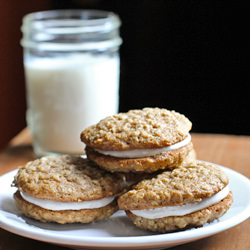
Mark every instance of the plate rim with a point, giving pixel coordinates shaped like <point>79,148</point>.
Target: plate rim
<point>122,241</point>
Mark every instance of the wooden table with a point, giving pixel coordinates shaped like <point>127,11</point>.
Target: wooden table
<point>227,150</point>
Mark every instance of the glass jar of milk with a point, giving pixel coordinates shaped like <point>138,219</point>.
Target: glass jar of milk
<point>72,67</point>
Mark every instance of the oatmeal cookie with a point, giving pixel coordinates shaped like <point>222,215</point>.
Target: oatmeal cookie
<point>138,129</point>
<point>176,223</point>
<point>197,193</point>
<point>66,183</point>
<point>144,140</point>
<point>170,159</point>
<point>182,185</point>
<point>64,216</point>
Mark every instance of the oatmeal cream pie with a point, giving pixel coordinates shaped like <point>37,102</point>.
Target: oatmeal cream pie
<point>186,197</point>
<point>144,140</point>
<point>66,189</point>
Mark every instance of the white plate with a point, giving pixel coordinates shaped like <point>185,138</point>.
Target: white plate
<point>118,231</point>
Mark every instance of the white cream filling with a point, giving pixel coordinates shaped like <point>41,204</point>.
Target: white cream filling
<point>138,153</point>
<point>58,206</point>
<point>161,212</point>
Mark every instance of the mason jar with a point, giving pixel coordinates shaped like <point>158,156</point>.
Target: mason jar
<point>72,68</point>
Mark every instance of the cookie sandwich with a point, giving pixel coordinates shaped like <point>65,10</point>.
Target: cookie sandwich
<point>66,189</point>
<point>144,140</point>
<point>185,197</point>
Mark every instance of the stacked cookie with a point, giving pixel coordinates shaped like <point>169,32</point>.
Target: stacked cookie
<point>140,141</point>
<point>173,191</point>
<point>152,148</point>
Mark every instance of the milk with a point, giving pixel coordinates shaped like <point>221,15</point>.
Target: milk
<point>67,95</point>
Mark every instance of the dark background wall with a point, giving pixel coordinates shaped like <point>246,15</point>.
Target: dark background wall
<point>190,56</point>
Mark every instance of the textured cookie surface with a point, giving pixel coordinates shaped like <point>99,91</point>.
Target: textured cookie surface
<point>174,223</point>
<point>66,178</point>
<point>182,185</point>
<point>65,216</point>
<point>146,128</point>
<point>169,160</point>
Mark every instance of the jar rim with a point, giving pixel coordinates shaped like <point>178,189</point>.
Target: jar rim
<point>71,21</point>
<point>46,24</point>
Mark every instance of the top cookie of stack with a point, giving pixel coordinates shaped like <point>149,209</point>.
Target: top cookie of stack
<point>139,141</point>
